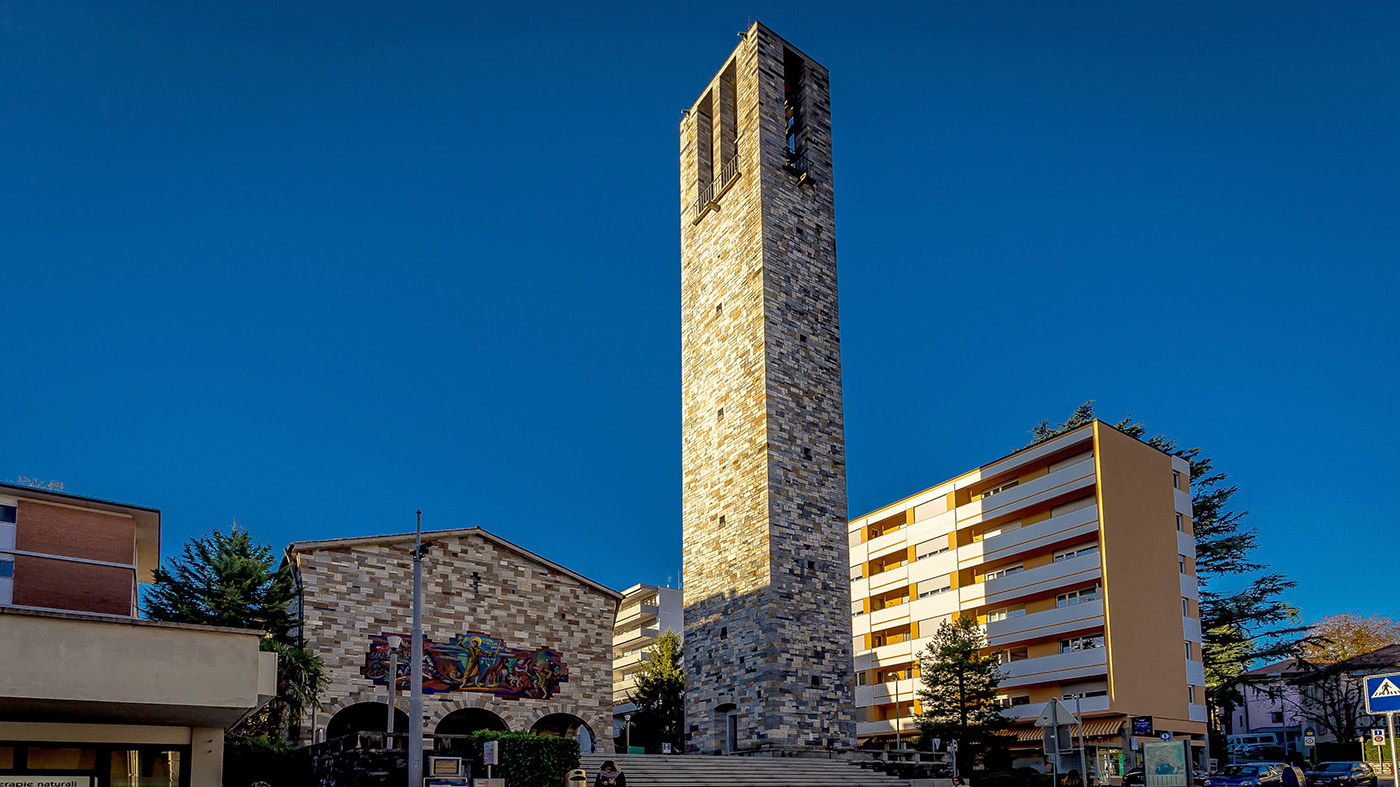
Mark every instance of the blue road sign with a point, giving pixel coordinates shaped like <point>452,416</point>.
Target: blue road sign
<point>1383,693</point>
<point>1309,733</point>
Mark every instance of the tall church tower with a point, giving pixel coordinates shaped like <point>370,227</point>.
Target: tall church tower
<point>767,591</point>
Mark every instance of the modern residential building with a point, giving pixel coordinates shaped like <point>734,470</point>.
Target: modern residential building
<point>89,691</point>
<point>513,641</point>
<point>646,612</point>
<point>1077,558</point>
<point>763,439</point>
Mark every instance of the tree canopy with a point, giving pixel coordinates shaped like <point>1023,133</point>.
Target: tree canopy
<point>225,579</point>
<point>1347,634</point>
<point>660,696</point>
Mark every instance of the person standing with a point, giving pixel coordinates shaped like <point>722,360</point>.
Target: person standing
<point>610,776</point>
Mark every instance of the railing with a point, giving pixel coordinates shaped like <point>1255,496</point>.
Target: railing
<point>709,192</point>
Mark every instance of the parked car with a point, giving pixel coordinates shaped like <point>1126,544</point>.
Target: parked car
<point>1250,774</point>
<point>1132,778</point>
<point>1268,752</point>
<point>1342,774</point>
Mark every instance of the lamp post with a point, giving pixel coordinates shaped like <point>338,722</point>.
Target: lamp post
<point>415,696</point>
<point>394,642</point>
<point>627,733</point>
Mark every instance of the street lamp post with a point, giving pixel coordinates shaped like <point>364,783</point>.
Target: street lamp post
<point>415,696</point>
<point>394,642</point>
<point>627,733</point>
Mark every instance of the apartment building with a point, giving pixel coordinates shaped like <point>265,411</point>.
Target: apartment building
<point>646,612</point>
<point>89,693</point>
<point>1076,556</point>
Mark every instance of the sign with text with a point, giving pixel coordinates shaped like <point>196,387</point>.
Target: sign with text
<point>1383,693</point>
<point>1166,763</point>
<point>1142,726</point>
<point>45,781</point>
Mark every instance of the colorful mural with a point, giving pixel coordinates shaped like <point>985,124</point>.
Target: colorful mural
<point>472,662</point>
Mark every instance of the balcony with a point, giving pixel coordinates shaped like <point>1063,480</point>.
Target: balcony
<point>1195,673</point>
<point>1057,668</point>
<point>1186,544</point>
<point>1198,712</point>
<point>629,659</point>
<point>1051,622</point>
<point>1043,579</point>
<point>1188,587</point>
<point>884,618</point>
<point>886,726</point>
<point>878,547</point>
<point>1183,501</point>
<point>1079,475</point>
<point>81,668</point>
<point>889,580</point>
<point>635,615</point>
<point>1083,522</point>
<point>1192,628</point>
<point>898,653</point>
<point>1032,711</point>
<point>622,640</point>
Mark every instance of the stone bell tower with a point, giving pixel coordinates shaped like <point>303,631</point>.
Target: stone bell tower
<point>767,591</point>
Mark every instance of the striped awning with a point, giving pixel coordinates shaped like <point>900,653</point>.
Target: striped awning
<point>1093,728</point>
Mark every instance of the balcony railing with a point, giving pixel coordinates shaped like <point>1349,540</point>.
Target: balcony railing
<point>711,192</point>
<point>1048,623</point>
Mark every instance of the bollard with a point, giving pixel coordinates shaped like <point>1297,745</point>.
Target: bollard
<point>576,778</point>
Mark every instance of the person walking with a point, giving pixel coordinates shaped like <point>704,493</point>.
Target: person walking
<point>1072,779</point>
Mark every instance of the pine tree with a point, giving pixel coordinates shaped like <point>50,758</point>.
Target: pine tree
<point>225,579</point>
<point>959,696</point>
<point>660,696</point>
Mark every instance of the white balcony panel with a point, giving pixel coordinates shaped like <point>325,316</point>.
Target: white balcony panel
<point>1195,673</point>
<point>972,595</point>
<point>1086,706</point>
<point>1083,522</point>
<point>860,588</point>
<point>622,641</point>
<point>935,566</point>
<point>1198,712</point>
<point>888,580</point>
<point>1186,544</point>
<point>884,727</point>
<point>936,526</point>
<point>971,554</point>
<point>1056,669</point>
<point>1028,456</point>
<point>1183,501</point>
<point>864,659</point>
<point>1043,579</point>
<point>876,546</point>
<point>895,547</point>
<point>1067,479</point>
<point>1051,622</point>
<point>898,653</point>
<point>635,615</point>
<point>932,607</point>
<point>905,691</point>
<point>1191,627</point>
<point>884,618</point>
<point>1188,587</point>
<point>859,554</point>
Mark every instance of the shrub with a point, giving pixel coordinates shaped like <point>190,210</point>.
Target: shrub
<point>526,759</point>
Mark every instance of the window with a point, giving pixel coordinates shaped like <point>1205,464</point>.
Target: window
<point>7,514</point>
<point>1001,529</point>
<point>720,418</point>
<point>723,634</point>
<point>1191,694</point>
<point>1077,597</point>
<point>1086,642</point>
<point>858,571</point>
<point>1014,654</point>
<point>806,453</point>
<point>1181,562</point>
<point>816,683</point>
<point>933,587</point>
<point>721,523</point>
<point>860,679</point>
<point>1179,527</point>
<point>998,489</point>
<point>1008,702</point>
<point>1006,613</point>
<point>1185,608</point>
<point>1276,716</point>
<point>929,549</point>
<point>1004,571</point>
<point>1073,552</point>
<point>1188,651</point>
<point>1176,479</point>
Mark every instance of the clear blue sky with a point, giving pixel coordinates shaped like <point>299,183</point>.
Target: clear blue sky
<point>315,265</point>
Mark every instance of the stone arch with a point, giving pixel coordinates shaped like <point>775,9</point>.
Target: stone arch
<point>364,717</point>
<point>465,721</point>
<point>508,712</point>
<point>566,724</point>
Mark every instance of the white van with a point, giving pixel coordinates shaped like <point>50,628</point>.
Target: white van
<point>1238,742</point>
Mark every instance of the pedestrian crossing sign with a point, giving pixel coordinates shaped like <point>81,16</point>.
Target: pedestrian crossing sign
<point>1383,693</point>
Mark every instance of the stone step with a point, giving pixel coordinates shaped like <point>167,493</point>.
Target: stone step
<point>655,770</point>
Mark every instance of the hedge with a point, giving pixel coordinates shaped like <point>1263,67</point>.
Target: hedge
<point>526,759</point>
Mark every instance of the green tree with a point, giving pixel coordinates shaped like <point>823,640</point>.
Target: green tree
<point>660,696</point>
<point>1244,617</point>
<point>225,579</point>
<point>959,696</point>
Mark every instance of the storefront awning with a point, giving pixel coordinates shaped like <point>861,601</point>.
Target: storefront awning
<point>1093,728</point>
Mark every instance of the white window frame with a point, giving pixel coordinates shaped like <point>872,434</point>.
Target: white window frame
<point>1004,571</point>
<point>1073,597</point>
<point>1091,547</point>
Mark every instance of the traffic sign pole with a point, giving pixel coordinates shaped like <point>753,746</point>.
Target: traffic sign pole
<point>1390,727</point>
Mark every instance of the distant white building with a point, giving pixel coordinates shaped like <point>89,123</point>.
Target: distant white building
<point>646,612</point>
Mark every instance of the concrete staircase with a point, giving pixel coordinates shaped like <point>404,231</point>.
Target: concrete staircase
<point>698,770</point>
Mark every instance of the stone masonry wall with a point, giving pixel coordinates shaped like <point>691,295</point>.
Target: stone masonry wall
<point>768,633</point>
<point>471,583</point>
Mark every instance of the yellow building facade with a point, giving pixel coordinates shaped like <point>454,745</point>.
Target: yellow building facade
<point>1076,556</point>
